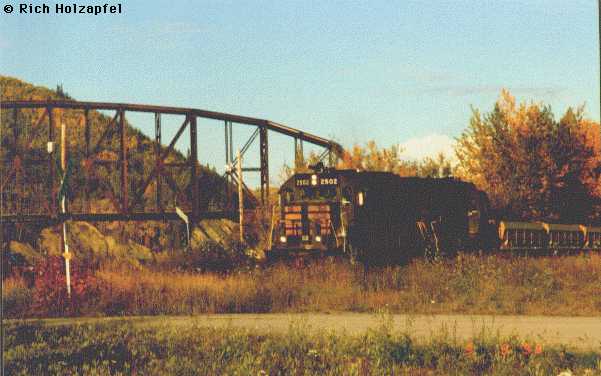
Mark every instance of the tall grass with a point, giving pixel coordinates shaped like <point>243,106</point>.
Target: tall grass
<point>149,292</point>
<point>16,297</point>
<point>466,284</point>
<point>121,348</point>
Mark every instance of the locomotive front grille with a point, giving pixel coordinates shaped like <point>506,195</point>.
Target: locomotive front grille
<point>320,218</point>
<point>307,225</point>
<point>292,221</point>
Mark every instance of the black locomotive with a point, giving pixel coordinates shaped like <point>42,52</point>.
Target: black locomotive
<point>378,217</point>
<point>382,218</point>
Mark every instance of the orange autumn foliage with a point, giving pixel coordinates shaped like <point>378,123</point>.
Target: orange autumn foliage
<point>373,158</point>
<point>532,166</point>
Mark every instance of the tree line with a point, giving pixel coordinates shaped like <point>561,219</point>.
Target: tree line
<point>532,165</point>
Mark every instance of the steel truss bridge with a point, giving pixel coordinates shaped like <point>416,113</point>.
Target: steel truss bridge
<point>30,176</point>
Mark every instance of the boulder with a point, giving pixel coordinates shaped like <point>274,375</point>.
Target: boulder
<point>50,242</point>
<point>29,255</point>
<point>86,242</point>
<point>220,231</point>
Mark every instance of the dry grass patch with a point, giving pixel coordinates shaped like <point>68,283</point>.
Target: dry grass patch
<point>470,284</point>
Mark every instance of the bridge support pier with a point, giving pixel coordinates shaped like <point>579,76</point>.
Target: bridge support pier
<point>86,188</point>
<point>193,175</point>
<point>264,151</point>
<point>229,158</point>
<point>50,149</point>
<point>157,162</point>
<point>124,175</point>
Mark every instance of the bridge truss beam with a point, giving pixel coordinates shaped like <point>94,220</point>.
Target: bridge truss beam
<point>127,196</point>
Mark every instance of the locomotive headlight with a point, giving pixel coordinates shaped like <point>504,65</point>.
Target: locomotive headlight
<point>283,239</point>
<point>313,179</point>
<point>318,238</point>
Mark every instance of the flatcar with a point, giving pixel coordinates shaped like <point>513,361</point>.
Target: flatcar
<point>377,217</point>
<point>523,235</point>
<point>548,237</point>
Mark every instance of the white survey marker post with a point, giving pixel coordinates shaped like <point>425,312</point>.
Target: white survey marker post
<point>180,213</point>
<point>66,254</point>
<point>240,197</point>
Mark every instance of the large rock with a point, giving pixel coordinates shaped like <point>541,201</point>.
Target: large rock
<point>86,242</point>
<point>50,242</point>
<point>220,231</point>
<point>29,254</point>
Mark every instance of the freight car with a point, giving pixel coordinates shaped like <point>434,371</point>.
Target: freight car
<point>547,237</point>
<point>377,217</point>
<point>382,218</point>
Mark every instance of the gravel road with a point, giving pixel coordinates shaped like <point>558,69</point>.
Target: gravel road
<point>583,333</point>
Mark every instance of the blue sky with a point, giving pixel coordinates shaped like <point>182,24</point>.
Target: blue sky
<point>402,72</point>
